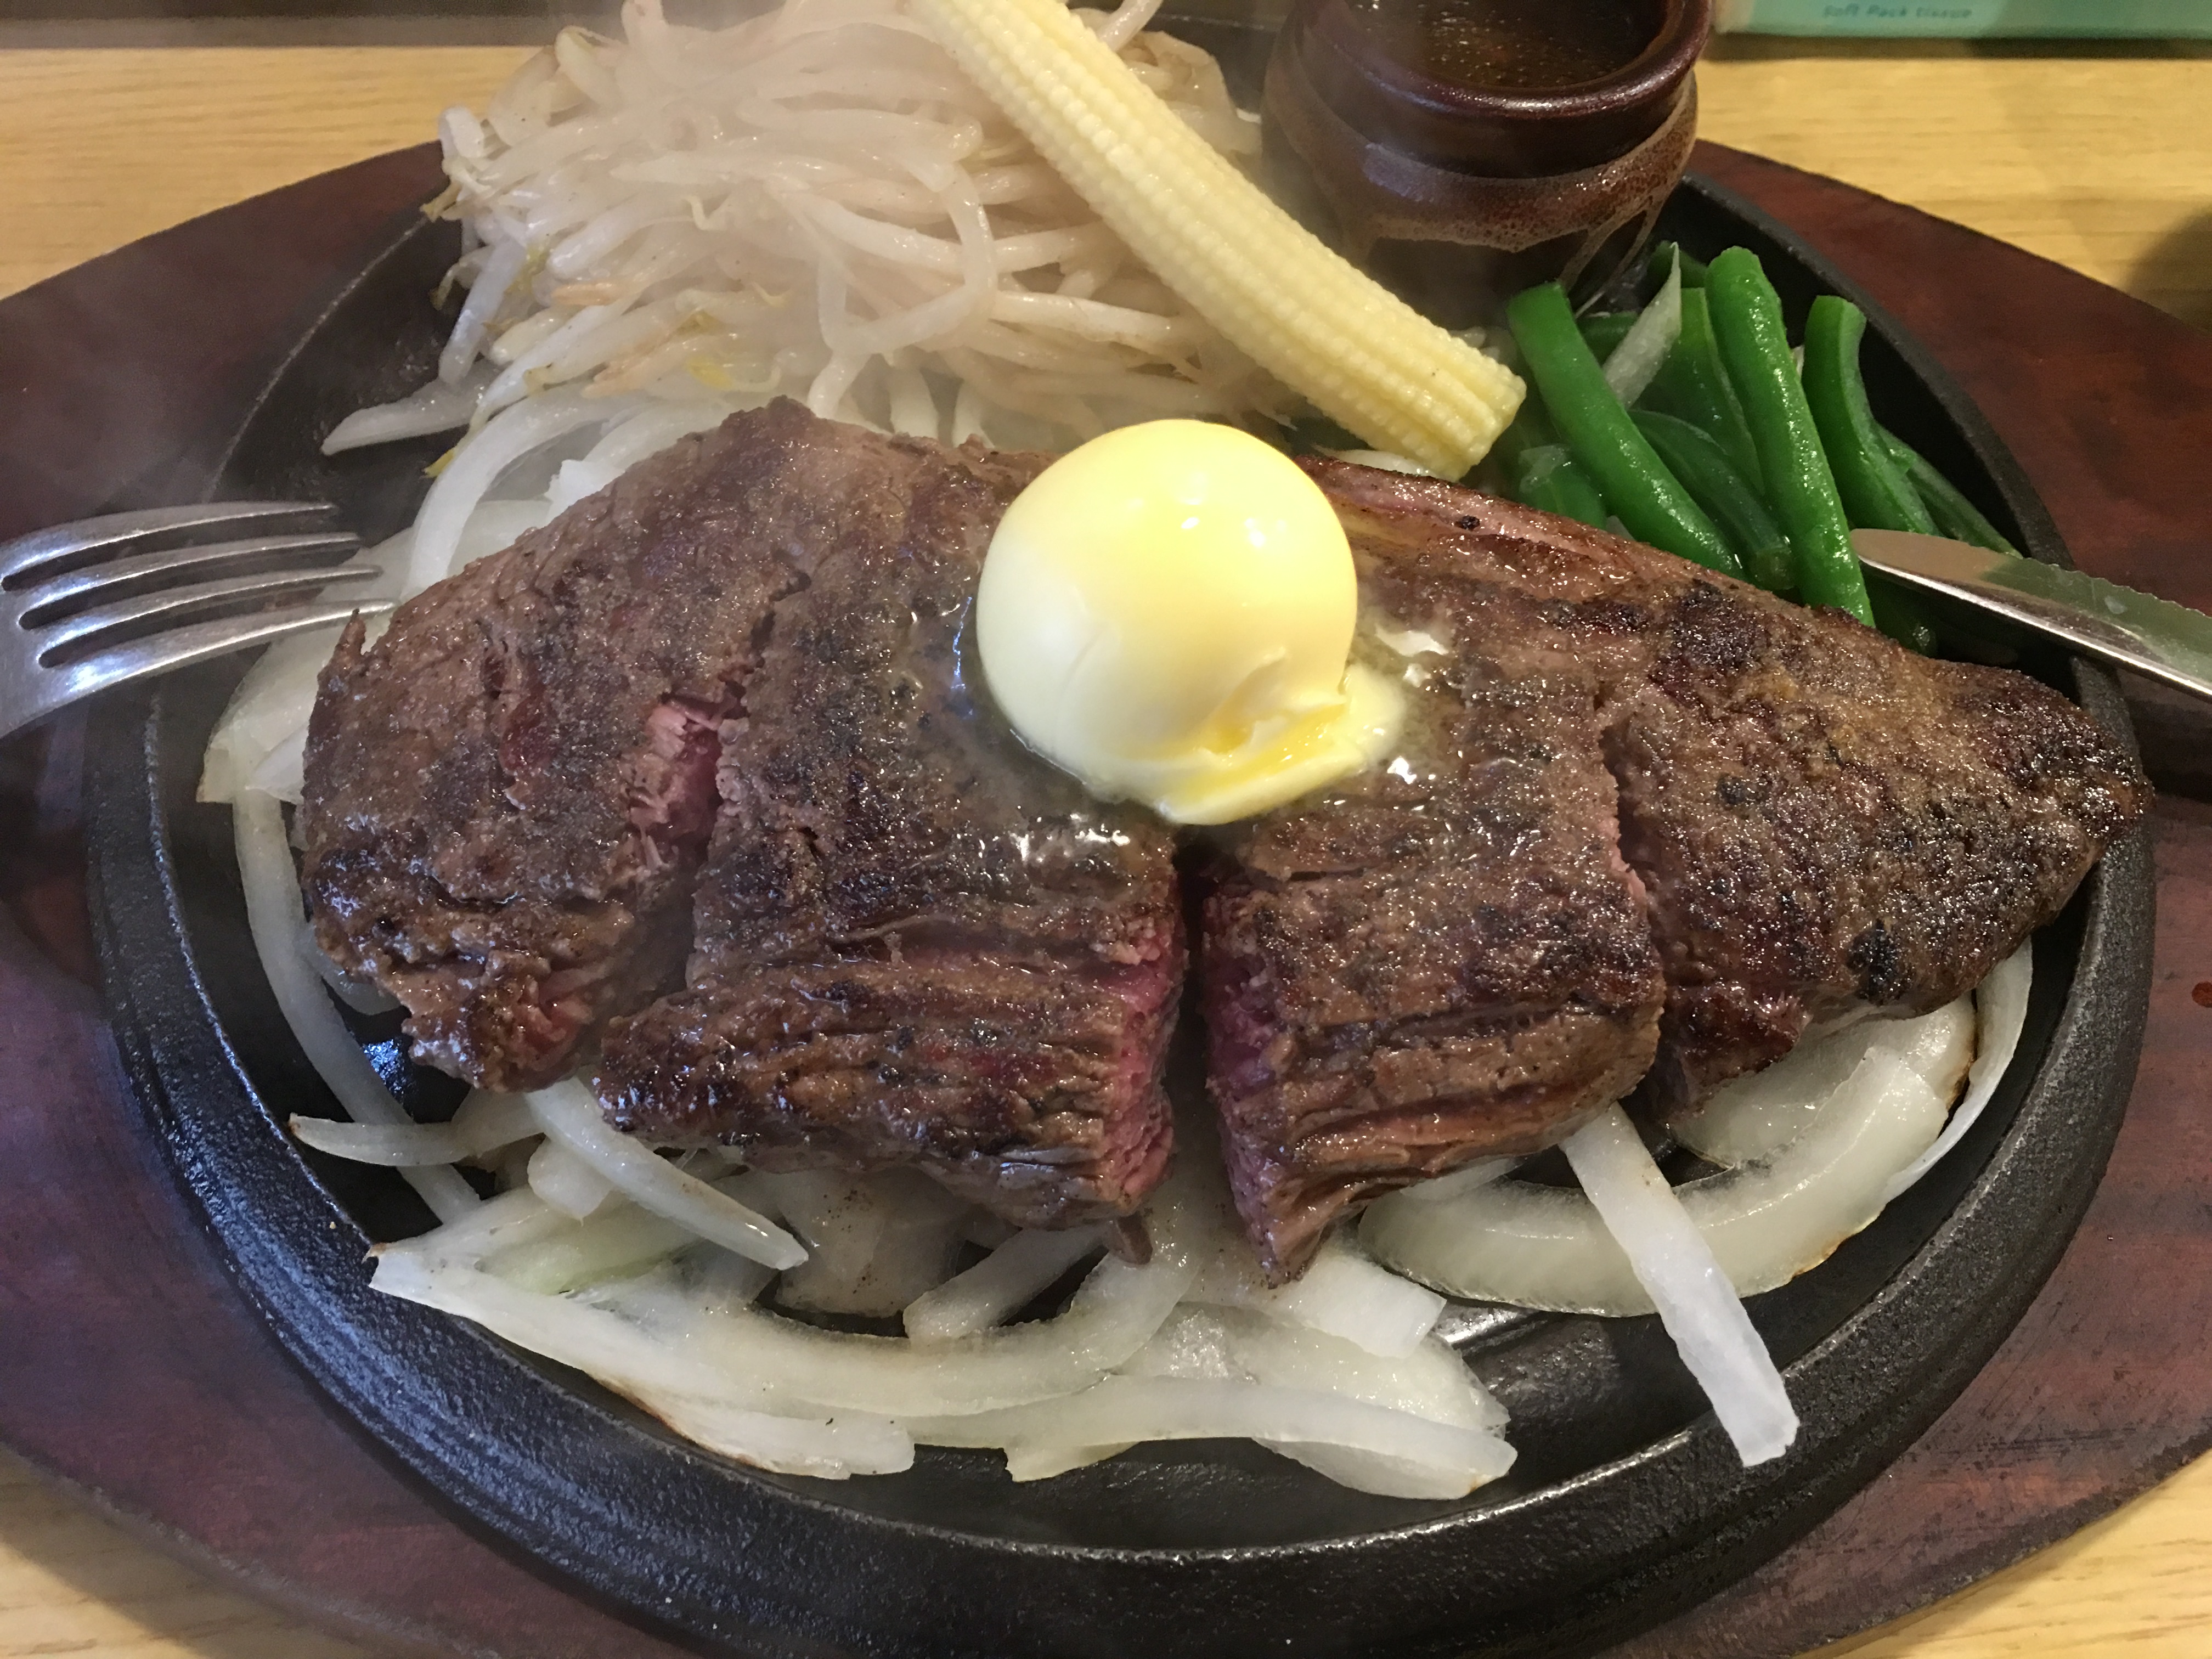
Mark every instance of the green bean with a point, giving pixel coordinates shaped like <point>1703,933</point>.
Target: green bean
<point>1605,330</point>
<point>1876,491</point>
<point>1692,386</point>
<point>1876,494</point>
<point>1954,515</point>
<point>1531,428</point>
<point>1755,346</point>
<point>1547,478</point>
<point>1648,498</point>
<point>1693,271</point>
<point>1695,457</point>
<point>1539,471</point>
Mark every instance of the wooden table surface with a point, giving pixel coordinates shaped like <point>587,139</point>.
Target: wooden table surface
<point>2097,156</point>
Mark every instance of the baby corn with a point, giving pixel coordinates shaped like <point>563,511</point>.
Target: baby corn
<point>1364,358</point>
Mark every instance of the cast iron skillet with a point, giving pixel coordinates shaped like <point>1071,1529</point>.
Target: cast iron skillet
<point>1626,1503</point>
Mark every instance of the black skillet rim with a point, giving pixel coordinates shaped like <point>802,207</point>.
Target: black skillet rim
<point>585,1492</point>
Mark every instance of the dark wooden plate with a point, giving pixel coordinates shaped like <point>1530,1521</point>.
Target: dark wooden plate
<point>1625,1507</point>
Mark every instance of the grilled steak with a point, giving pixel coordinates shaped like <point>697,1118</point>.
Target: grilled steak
<point>507,796</point>
<point>1819,823</point>
<point>915,942</point>
<point>1440,960</point>
<point>1648,824</point>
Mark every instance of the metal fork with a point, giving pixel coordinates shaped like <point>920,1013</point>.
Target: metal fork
<point>105,601</point>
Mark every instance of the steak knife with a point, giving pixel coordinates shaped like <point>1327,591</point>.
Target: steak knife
<point>2169,642</point>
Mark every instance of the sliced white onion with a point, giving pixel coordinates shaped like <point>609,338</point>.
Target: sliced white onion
<point>1117,1310</point>
<point>691,1397</point>
<point>920,1245</point>
<point>647,433</point>
<point>593,1338</point>
<point>282,770</point>
<point>832,1450</point>
<point>2001,1014</point>
<point>1696,1303</point>
<point>568,1113</point>
<point>1633,364</point>
<point>722,1279</point>
<point>1000,1285</point>
<point>1431,1381</point>
<point>273,915</point>
<point>655,427</point>
<point>1233,1345</point>
<point>478,460</point>
<point>575,480</point>
<point>1344,1293</point>
<point>507,1221</point>
<point>838,1218</point>
<point>620,1240</point>
<point>496,524</point>
<point>565,1182</point>
<point>439,406</point>
<point>1050,1436</point>
<point>1464,1179</point>
<point>504,1120</point>
<point>1751,1117</point>
<point>1545,1247</point>
<point>272,702</point>
<point>874,1243</point>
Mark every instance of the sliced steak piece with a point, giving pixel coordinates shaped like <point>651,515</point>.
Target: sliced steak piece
<point>508,794</point>
<point>914,941</point>
<point>1035,1093</point>
<point>1824,823</point>
<point>1440,960</point>
<point>1830,826</point>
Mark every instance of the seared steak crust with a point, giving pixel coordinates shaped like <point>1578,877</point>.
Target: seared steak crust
<point>1623,768</point>
<point>1647,823</point>
<point>1823,823</point>
<point>507,795</point>
<point>914,940</point>
<point>1829,825</point>
<point>1437,962</point>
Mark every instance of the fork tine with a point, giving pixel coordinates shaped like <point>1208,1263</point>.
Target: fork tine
<point>68,545</point>
<point>88,585</point>
<point>174,601</point>
<point>181,647</point>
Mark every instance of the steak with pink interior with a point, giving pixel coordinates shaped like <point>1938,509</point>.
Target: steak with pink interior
<point>914,941</point>
<point>1647,824</point>
<point>1623,767</point>
<point>508,793</point>
<point>1440,960</point>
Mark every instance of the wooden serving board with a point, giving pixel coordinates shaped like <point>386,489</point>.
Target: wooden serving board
<point>133,1369</point>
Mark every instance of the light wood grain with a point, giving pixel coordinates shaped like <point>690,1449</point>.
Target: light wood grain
<point>2099,158</point>
<point>70,1582</point>
<point>104,147</point>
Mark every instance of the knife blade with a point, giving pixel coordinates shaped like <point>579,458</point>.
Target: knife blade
<point>2103,620</point>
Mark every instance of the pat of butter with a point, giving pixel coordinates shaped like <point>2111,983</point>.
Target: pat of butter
<point>1167,612</point>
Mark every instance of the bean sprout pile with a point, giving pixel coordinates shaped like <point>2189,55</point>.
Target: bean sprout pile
<point>816,202</point>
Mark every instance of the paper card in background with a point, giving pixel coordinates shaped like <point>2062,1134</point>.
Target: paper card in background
<point>1961,19</point>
